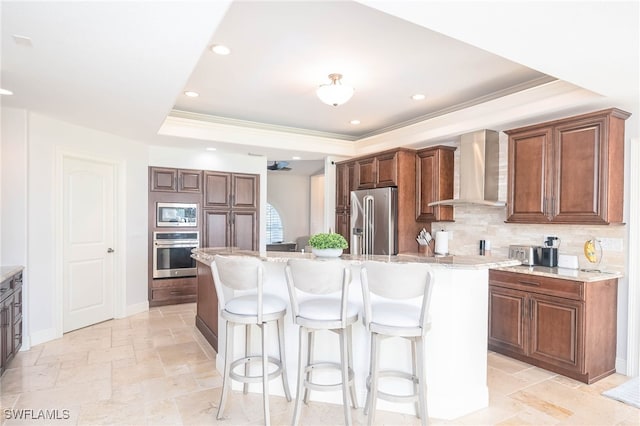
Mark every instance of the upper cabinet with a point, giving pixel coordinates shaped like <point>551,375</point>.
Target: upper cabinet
<point>230,190</point>
<point>175,180</point>
<point>434,181</point>
<point>568,171</point>
<point>377,172</point>
<point>345,180</point>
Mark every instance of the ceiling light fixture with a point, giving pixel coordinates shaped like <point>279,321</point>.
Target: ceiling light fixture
<point>220,49</point>
<point>212,149</point>
<point>334,93</point>
<point>296,157</point>
<point>191,94</point>
<point>418,97</point>
<point>355,122</point>
<point>5,92</point>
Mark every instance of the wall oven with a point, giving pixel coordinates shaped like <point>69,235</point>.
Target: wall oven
<point>172,254</point>
<point>176,214</point>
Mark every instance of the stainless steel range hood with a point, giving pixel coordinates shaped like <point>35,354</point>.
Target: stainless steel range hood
<point>479,156</point>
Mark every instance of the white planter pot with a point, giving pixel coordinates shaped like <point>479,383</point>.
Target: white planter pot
<point>329,252</point>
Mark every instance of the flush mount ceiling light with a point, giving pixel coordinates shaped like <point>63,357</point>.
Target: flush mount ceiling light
<point>418,97</point>
<point>191,94</point>
<point>5,92</point>
<point>334,93</point>
<point>220,49</point>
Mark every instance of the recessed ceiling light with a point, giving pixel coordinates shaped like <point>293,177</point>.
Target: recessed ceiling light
<point>5,92</point>
<point>22,40</point>
<point>192,94</point>
<point>418,97</point>
<point>220,49</point>
<point>355,122</point>
<point>211,149</point>
<point>295,157</point>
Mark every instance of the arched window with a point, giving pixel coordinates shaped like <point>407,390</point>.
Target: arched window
<point>274,226</point>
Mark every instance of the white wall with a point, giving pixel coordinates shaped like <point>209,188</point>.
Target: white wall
<point>289,194</point>
<point>316,215</point>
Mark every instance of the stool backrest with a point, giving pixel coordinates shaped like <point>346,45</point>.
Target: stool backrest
<point>396,281</point>
<point>317,277</point>
<point>237,273</point>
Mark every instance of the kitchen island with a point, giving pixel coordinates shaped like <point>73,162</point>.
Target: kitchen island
<point>455,346</point>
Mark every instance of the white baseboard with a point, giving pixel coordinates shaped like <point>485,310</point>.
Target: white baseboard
<point>137,308</point>
<point>621,366</point>
<point>43,336</point>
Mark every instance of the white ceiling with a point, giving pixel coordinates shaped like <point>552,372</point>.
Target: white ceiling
<point>122,67</point>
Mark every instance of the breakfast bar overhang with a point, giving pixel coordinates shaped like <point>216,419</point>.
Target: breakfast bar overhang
<point>455,346</point>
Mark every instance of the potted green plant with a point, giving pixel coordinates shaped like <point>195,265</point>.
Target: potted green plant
<point>328,244</point>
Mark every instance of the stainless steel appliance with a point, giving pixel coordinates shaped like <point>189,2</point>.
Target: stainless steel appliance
<point>176,214</point>
<point>546,256</point>
<point>374,221</point>
<point>525,254</point>
<point>172,254</point>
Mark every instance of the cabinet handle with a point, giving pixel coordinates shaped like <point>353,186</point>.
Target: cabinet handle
<point>174,293</point>
<point>17,305</point>
<point>529,282</point>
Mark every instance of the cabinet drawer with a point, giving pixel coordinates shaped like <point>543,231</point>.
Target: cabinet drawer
<point>177,292</point>
<point>164,283</point>
<point>538,284</point>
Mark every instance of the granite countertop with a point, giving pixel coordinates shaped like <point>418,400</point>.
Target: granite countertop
<point>8,271</point>
<point>457,262</point>
<point>563,273</point>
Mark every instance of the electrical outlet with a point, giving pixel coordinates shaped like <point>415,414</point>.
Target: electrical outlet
<point>611,244</point>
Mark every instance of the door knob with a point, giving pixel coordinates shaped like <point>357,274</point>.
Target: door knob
<point>110,250</point>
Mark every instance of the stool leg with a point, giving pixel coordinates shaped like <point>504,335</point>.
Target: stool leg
<point>265,374</point>
<point>367,403</point>
<point>283,361</point>
<point>344,364</point>
<point>354,396</point>
<point>422,383</point>
<point>302,341</point>
<point>416,377</point>
<point>247,345</point>
<point>227,369</point>
<point>310,343</point>
<point>373,392</point>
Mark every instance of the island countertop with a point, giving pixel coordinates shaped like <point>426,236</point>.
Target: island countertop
<point>457,262</point>
<point>9,271</point>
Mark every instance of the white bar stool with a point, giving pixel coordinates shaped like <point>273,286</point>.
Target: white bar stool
<point>319,293</point>
<point>388,312</point>
<point>244,274</point>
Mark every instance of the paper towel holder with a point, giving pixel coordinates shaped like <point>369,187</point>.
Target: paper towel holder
<point>442,243</point>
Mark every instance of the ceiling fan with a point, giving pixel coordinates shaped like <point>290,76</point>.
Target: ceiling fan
<point>278,166</point>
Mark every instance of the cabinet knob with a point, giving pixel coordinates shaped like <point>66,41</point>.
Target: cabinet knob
<point>110,250</point>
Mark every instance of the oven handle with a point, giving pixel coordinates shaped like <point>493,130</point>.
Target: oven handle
<point>176,245</point>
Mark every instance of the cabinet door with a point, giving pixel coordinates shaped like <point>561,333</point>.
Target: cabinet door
<point>366,173</point>
<point>507,320</point>
<point>7,330</point>
<point>244,229</point>
<point>386,170</point>
<point>344,179</point>
<point>216,228</point>
<point>244,191</point>
<point>343,227</point>
<point>529,186</point>
<point>163,179</point>
<point>556,327</point>
<point>434,181</point>
<point>190,181</point>
<point>217,190</point>
<point>578,161</point>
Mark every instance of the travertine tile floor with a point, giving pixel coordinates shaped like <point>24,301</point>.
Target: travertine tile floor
<point>156,369</point>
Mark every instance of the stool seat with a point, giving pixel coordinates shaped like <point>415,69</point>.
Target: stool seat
<point>325,313</point>
<point>248,305</point>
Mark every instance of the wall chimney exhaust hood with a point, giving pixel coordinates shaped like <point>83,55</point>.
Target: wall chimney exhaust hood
<point>478,166</point>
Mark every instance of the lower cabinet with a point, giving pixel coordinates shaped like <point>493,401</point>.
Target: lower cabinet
<point>343,227</point>
<point>561,325</point>
<point>10,319</point>
<point>169,291</point>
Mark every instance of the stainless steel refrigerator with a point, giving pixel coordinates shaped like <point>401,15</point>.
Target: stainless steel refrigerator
<point>374,222</point>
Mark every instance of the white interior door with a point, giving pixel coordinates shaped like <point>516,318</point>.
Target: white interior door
<point>88,237</point>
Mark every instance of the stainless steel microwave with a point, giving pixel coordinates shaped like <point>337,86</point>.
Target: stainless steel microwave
<point>176,214</point>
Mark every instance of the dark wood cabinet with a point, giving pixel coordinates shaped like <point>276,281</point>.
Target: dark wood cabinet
<point>345,183</point>
<point>175,180</point>
<point>568,171</point>
<point>378,171</point>
<point>434,181</point>
<point>10,319</point>
<point>558,324</point>
<point>231,212</point>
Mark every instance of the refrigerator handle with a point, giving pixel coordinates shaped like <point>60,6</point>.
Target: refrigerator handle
<point>368,224</point>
